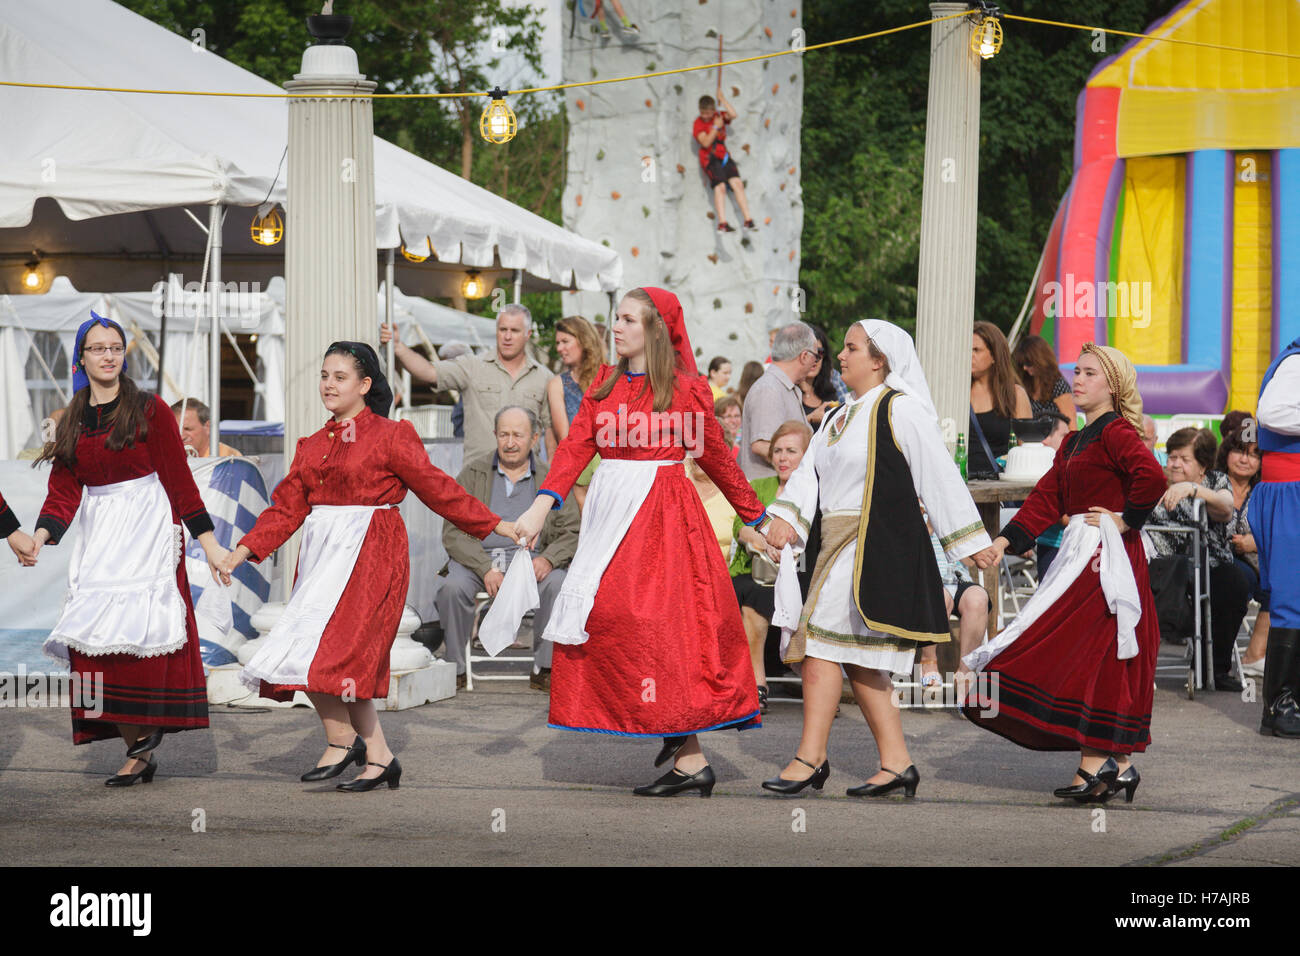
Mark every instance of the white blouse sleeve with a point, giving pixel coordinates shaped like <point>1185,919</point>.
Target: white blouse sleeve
<point>937,481</point>
<point>1279,407</point>
<point>797,503</point>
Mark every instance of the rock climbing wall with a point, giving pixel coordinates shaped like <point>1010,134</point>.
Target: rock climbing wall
<point>634,179</point>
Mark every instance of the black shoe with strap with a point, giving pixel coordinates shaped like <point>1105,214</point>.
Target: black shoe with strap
<point>1127,781</point>
<point>908,780</point>
<point>392,776</point>
<point>762,699</point>
<point>1105,778</point>
<point>785,786</point>
<point>145,744</point>
<point>356,754</point>
<point>675,782</point>
<point>144,775</point>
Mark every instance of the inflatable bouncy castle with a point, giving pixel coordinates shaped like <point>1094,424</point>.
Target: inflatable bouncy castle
<point>1178,240</point>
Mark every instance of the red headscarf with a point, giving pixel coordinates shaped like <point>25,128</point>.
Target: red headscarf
<point>671,310</point>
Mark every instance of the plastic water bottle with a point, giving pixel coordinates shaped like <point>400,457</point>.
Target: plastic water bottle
<point>959,456</point>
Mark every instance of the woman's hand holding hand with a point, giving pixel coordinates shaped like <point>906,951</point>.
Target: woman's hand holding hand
<point>991,555</point>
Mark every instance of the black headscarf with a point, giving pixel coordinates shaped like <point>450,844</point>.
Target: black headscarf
<point>380,397</point>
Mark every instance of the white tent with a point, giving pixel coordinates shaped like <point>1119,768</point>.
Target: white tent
<point>41,328</point>
<point>97,183</point>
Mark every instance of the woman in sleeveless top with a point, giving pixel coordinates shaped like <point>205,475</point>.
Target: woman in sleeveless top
<point>579,349</point>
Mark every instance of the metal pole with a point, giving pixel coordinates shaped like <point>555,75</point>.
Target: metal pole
<point>388,317</point>
<point>519,284</point>
<point>215,216</point>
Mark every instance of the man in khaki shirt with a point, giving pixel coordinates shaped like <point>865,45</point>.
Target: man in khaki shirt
<point>486,385</point>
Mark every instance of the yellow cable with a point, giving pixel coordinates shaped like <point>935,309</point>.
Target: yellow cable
<point>535,89</point>
<point>1149,36</point>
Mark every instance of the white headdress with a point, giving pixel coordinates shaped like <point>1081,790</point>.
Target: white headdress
<point>905,372</point>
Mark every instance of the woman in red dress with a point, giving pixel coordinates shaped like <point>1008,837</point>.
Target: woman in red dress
<point>667,655</point>
<point>1075,670</point>
<point>335,634</point>
<point>128,616</point>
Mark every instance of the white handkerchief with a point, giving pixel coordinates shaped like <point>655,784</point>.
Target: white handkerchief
<point>515,598</point>
<point>788,599</point>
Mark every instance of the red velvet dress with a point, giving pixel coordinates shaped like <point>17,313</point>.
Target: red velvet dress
<point>1060,685</point>
<point>667,653</point>
<point>367,460</point>
<point>167,691</point>
<point>9,523</point>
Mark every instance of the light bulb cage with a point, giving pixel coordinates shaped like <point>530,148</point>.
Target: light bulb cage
<point>32,278</point>
<point>986,36</point>
<point>410,256</point>
<point>473,286</point>
<point>268,229</point>
<point>498,123</point>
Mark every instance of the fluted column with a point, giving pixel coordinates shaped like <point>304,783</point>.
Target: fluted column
<point>945,286</point>
<point>330,262</point>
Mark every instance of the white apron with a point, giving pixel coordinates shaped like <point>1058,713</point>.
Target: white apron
<point>1078,549</point>
<point>618,489</point>
<point>122,595</point>
<point>331,540</point>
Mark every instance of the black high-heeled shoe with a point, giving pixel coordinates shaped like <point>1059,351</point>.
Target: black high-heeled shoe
<point>762,700</point>
<point>675,782</point>
<point>669,750</point>
<point>145,744</point>
<point>356,754</point>
<point>908,780</point>
<point>784,786</point>
<point>1127,781</point>
<point>1105,776</point>
<point>392,775</point>
<point>144,775</point>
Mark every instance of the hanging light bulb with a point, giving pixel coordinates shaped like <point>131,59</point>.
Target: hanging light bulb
<point>267,227</point>
<point>986,38</point>
<point>498,124</point>
<point>32,280</point>
<point>473,287</point>
<point>410,256</point>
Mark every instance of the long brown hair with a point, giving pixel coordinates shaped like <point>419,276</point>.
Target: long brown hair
<point>128,423</point>
<point>589,342</point>
<point>1002,380</point>
<point>1034,351</point>
<point>660,358</point>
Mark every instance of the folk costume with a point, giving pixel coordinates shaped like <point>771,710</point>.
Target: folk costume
<point>128,613</point>
<point>9,522</point>
<point>876,593</point>
<point>1077,666</point>
<point>649,636</point>
<point>336,632</point>
<point>1275,523</point>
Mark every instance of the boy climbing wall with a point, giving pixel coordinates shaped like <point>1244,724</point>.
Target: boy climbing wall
<point>710,131</point>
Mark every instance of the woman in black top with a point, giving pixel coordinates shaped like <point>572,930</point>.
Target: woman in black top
<point>995,398</point>
<point>1036,367</point>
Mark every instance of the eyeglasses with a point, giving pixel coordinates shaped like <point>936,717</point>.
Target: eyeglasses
<point>98,350</point>
<point>818,354</point>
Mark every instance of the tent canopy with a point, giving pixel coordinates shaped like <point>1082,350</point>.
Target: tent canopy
<point>97,184</point>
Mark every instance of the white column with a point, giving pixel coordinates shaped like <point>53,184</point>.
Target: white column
<point>945,286</point>
<point>330,259</point>
<point>216,222</point>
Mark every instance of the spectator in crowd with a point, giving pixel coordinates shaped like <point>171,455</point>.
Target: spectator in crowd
<point>1049,542</point>
<point>789,442</point>
<point>819,393</point>
<point>1192,476</point>
<point>578,345</point>
<point>716,507</point>
<point>448,352</point>
<point>727,412</point>
<point>719,376</point>
<point>508,377</point>
<point>776,397</point>
<point>1240,460</point>
<point>995,399</point>
<point>196,430</point>
<point>972,606</point>
<point>1149,433</point>
<point>507,480</point>
<point>750,374</point>
<point>1036,368</point>
<point>842,393</point>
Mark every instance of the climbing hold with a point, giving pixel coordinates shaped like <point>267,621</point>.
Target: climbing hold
<point>681,168</point>
<point>745,147</point>
<point>717,303</point>
<point>578,199</point>
<point>581,105</point>
<point>768,31</point>
<point>792,255</point>
<point>713,258</point>
<point>709,214</point>
<point>600,154</point>
<point>791,170</point>
<point>793,77</point>
<point>794,13</point>
<point>775,87</point>
<point>615,195</point>
<point>782,188</point>
<point>767,122</point>
<point>767,221</point>
<point>635,252</point>
<point>649,103</point>
<point>735,91</point>
<point>749,307</point>
<point>645,211</point>
<point>776,289</point>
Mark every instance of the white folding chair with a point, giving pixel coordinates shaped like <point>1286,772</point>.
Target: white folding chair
<point>481,603</point>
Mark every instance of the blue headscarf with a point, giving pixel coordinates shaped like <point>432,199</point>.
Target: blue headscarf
<point>79,378</point>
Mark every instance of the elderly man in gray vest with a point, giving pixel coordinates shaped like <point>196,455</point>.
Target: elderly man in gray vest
<point>507,481</point>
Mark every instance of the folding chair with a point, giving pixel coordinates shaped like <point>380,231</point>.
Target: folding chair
<point>1200,647</point>
<point>481,603</point>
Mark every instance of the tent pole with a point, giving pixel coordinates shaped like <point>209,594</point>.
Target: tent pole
<point>214,340</point>
<point>519,284</point>
<point>388,315</point>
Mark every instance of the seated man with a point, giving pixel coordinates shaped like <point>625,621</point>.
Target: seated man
<point>506,481</point>
<point>196,430</point>
<point>972,606</point>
